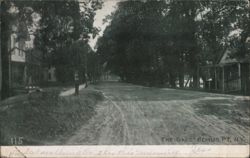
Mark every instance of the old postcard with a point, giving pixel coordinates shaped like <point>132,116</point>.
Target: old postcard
<point>125,78</point>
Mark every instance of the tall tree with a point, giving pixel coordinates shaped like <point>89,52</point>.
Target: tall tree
<point>217,20</point>
<point>62,24</point>
<point>158,42</point>
<point>12,13</point>
<point>147,40</point>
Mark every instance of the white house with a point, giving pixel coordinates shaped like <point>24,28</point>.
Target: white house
<point>18,69</point>
<point>17,64</point>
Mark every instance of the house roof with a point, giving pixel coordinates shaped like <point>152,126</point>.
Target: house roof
<point>227,59</point>
<point>226,55</point>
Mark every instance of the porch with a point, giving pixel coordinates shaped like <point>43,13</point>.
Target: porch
<point>227,77</point>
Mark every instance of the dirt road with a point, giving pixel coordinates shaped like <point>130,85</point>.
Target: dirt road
<point>137,115</point>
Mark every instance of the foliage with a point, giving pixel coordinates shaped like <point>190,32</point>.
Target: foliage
<point>64,30</point>
<point>217,21</point>
<point>158,42</point>
<point>13,13</point>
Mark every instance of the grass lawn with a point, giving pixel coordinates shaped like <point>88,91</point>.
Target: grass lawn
<point>45,118</point>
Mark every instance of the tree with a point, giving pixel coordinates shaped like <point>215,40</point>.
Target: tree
<point>181,30</point>
<point>224,18</point>
<point>145,41</point>
<point>128,39</point>
<point>216,23</point>
<point>60,20</point>
<point>19,14</point>
<point>62,24</point>
<point>159,42</point>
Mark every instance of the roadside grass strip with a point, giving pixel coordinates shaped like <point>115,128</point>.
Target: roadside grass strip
<point>44,117</point>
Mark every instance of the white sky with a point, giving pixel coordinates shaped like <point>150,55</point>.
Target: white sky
<point>108,7</point>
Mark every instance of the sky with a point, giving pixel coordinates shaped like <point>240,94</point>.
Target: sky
<point>108,7</point>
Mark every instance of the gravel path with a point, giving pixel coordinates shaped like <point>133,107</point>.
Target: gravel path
<point>71,91</point>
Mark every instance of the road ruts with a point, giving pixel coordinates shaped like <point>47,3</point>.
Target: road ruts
<point>137,115</point>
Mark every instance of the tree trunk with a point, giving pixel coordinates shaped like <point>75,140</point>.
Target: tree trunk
<point>248,80</point>
<point>245,79</point>
<point>0,64</point>
<point>196,77</point>
<point>172,78</point>
<point>181,77</point>
<point>195,81</point>
<point>181,80</point>
<point>5,58</point>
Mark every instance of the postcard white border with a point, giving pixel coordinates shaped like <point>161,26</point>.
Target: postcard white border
<point>126,151</point>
